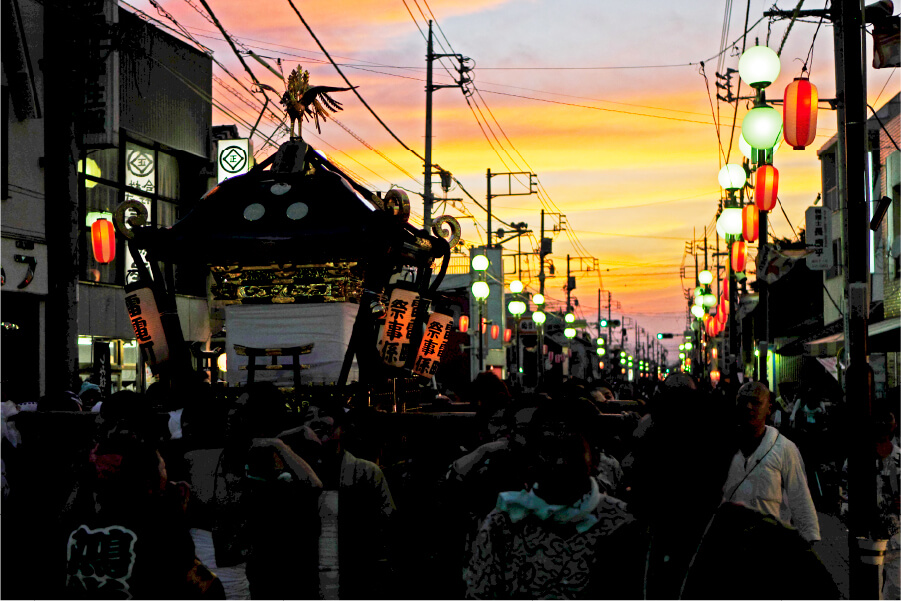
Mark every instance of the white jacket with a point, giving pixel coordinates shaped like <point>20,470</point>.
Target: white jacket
<point>772,481</point>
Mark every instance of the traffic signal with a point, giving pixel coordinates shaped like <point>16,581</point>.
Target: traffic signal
<point>662,335</point>
<point>603,323</point>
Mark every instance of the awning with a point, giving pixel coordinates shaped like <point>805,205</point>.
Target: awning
<point>882,338</point>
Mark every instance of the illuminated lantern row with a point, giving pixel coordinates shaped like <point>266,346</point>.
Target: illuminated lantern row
<point>799,112</point>
<point>750,223</point>
<point>739,255</point>
<point>103,239</point>
<point>766,189</point>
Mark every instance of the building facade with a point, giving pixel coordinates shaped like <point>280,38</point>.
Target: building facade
<point>142,133</point>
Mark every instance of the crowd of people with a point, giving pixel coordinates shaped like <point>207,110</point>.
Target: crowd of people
<point>655,490</point>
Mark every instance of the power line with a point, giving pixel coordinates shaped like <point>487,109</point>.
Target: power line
<point>596,108</point>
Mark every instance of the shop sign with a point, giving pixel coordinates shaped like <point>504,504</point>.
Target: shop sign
<point>399,321</point>
<point>100,69</point>
<point>234,157</point>
<point>140,170</point>
<point>102,368</point>
<point>819,238</point>
<point>145,319</point>
<point>433,345</point>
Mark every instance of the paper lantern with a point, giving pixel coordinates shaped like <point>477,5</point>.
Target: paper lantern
<point>484,325</point>
<point>508,335</point>
<point>464,323</point>
<point>799,113</point>
<point>103,239</point>
<point>739,255</point>
<point>750,223</point>
<point>766,189</point>
<point>495,331</point>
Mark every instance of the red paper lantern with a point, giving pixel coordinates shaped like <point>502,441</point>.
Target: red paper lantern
<point>799,113</point>
<point>739,255</point>
<point>766,189</point>
<point>750,223</point>
<point>103,239</point>
<point>495,331</point>
<point>711,327</point>
<point>464,323</point>
<point>508,335</point>
<point>484,325</point>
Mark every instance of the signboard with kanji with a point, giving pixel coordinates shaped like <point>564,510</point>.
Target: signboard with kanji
<point>145,319</point>
<point>234,157</point>
<point>395,341</point>
<point>102,368</point>
<point>140,171</point>
<point>819,238</point>
<point>433,345</point>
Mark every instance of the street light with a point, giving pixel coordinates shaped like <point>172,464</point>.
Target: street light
<point>729,222</point>
<point>732,177</point>
<point>569,332</point>
<point>539,317</point>
<point>538,299</point>
<point>569,318</point>
<point>516,287</point>
<point>516,307</point>
<point>480,263</point>
<point>480,291</point>
<point>705,277</point>
<point>762,127</point>
<point>759,67</point>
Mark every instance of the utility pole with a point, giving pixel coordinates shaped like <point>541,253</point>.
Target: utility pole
<point>541,257</point>
<point>488,231</point>
<point>61,194</point>
<point>429,88</point>
<point>509,192</point>
<point>609,303</point>
<point>859,382</point>
<point>568,305</point>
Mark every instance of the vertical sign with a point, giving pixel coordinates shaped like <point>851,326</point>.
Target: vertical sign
<point>145,319</point>
<point>819,238</point>
<point>395,342</point>
<point>433,345</point>
<point>234,157</point>
<point>100,124</point>
<point>102,368</point>
<point>140,172</point>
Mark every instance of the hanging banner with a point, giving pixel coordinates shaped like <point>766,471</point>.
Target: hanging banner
<point>148,327</point>
<point>140,175</point>
<point>433,345</point>
<point>394,344</point>
<point>102,368</point>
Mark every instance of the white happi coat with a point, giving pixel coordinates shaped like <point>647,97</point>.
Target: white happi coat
<point>772,481</point>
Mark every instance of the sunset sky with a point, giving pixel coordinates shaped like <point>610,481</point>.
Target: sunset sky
<point>604,101</point>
